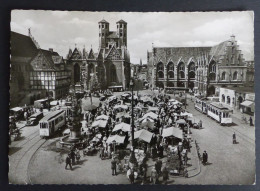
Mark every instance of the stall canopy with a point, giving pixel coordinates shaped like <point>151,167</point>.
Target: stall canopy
<point>122,114</point>
<point>249,104</point>
<point>150,115</point>
<point>99,123</point>
<point>121,107</point>
<point>147,123</point>
<point>17,109</point>
<point>171,131</point>
<point>186,114</point>
<point>111,98</point>
<point>102,117</point>
<point>53,103</point>
<point>143,135</point>
<point>122,126</point>
<point>146,99</point>
<point>118,139</point>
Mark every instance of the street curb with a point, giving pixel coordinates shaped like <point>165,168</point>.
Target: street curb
<point>198,166</point>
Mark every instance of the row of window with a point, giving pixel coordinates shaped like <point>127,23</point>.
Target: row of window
<point>216,112</point>
<point>181,67</point>
<point>120,34</point>
<point>50,74</point>
<point>181,74</point>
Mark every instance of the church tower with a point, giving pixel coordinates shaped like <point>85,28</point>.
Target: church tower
<point>103,33</point>
<point>122,33</point>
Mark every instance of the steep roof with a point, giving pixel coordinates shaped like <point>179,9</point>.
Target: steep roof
<point>103,21</point>
<point>219,50</point>
<point>22,46</point>
<point>177,54</point>
<point>121,21</point>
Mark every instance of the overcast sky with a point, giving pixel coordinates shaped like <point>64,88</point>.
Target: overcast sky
<point>61,30</point>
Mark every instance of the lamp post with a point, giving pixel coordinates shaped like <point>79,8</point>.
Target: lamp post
<point>132,157</point>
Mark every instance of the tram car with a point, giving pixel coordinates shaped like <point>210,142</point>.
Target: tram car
<point>201,104</point>
<point>220,113</point>
<point>52,122</point>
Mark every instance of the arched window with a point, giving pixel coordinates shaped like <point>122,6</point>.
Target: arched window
<point>212,67</point>
<point>235,76</point>
<point>181,70</point>
<point>228,100</point>
<point>212,76</point>
<point>91,68</point>
<point>76,73</point>
<point>223,76</point>
<point>170,66</point>
<point>223,98</point>
<point>160,66</point>
<point>160,74</point>
<point>170,74</point>
<point>170,69</point>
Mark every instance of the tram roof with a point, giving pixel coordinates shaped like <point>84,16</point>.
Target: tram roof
<point>51,115</point>
<point>219,105</point>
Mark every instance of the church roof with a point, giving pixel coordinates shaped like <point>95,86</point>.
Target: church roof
<point>22,46</point>
<point>103,21</point>
<point>112,34</point>
<point>177,54</point>
<point>219,50</point>
<point>121,21</point>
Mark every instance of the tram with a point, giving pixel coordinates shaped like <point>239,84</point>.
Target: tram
<point>201,104</point>
<point>52,122</point>
<point>220,113</point>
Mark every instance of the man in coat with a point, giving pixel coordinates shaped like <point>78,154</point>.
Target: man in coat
<point>113,167</point>
<point>68,162</point>
<point>234,138</point>
<point>205,158</point>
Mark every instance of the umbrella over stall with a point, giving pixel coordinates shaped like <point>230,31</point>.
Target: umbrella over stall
<point>181,121</point>
<point>171,131</point>
<point>102,117</point>
<point>118,139</point>
<point>122,126</point>
<point>99,123</point>
<point>143,135</point>
<point>147,123</point>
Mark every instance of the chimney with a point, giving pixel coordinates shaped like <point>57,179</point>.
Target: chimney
<point>51,50</point>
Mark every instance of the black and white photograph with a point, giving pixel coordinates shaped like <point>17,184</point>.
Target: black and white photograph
<point>144,98</point>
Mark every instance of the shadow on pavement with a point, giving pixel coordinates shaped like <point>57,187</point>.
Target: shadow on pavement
<point>13,150</point>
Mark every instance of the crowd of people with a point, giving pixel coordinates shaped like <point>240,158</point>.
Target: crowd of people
<point>152,115</point>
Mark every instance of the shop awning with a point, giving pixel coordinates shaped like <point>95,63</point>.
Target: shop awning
<point>116,139</point>
<point>247,103</point>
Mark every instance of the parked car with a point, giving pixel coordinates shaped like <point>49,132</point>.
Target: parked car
<point>35,118</point>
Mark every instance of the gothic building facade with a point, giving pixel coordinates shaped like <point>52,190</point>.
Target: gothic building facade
<point>202,69</point>
<point>110,65</point>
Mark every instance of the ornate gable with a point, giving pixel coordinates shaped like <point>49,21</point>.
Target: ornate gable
<point>91,54</point>
<point>76,55</point>
<point>113,54</point>
<point>40,62</point>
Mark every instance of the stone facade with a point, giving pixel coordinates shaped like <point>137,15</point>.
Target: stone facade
<point>110,65</point>
<point>202,69</point>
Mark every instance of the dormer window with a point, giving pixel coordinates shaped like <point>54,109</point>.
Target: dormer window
<point>121,34</point>
<point>103,26</point>
<point>121,25</point>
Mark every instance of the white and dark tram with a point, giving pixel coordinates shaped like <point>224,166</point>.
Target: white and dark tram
<point>201,104</point>
<point>213,109</point>
<point>220,113</point>
<point>50,123</point>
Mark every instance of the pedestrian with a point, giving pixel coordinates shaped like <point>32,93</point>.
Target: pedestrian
<point>234,138</point>
<point>251,121</point>
<point>154,176</point>
<point>72,155</point>
<point>68,162</point>
<point>165,175</point>
<point>113,166</point>
<point>158,166</point>
<point>204,158</point>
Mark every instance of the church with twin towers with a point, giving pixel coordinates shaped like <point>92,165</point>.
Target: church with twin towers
<point>109,65</point>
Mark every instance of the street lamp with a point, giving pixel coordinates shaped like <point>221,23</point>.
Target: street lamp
<point>132,157</point>
<point>114,144</point>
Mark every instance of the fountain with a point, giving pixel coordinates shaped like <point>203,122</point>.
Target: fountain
<point>74,125</point>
